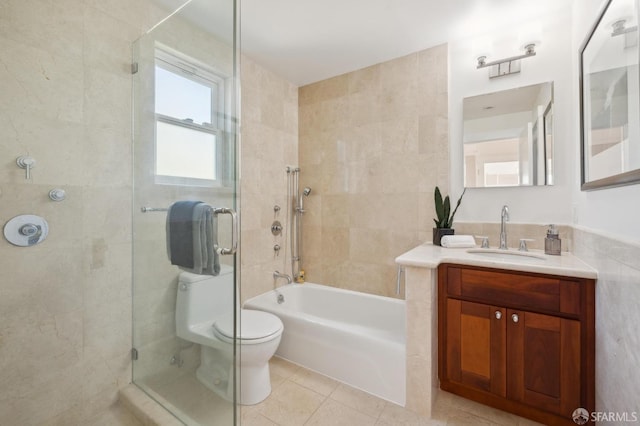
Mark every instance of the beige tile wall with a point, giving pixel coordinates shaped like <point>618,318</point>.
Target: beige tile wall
<point>617,317</point>
<point>65,305</point>
<point>269,144</point>
<point>373,144</point>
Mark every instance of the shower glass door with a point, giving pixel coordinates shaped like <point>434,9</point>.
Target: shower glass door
<point>185,85</point>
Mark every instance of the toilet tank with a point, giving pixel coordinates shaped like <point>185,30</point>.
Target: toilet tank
<point>203,298</point>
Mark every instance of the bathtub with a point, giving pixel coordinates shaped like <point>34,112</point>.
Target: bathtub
<point>355,338</point>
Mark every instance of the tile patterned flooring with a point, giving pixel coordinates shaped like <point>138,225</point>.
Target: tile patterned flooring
<point>302,397</point>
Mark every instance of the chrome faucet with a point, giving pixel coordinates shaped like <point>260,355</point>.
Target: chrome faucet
<point>504,217</point>
<point>277,275</point>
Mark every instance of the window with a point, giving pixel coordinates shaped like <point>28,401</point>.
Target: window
<point>189,111</point>
<point>503,173</point>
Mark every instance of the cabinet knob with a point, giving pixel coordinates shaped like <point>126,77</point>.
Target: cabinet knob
<point>498,314</point>
<point>515,317</point>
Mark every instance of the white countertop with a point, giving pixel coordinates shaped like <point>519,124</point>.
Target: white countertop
<point>429,256</point>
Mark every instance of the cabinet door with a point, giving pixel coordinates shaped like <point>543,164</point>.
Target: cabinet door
<point>476,345</point>
<point>543,359</point>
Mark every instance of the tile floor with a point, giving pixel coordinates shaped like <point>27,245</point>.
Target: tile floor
<point>302,397</point>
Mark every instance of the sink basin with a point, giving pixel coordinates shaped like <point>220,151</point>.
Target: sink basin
<point>508,255</point>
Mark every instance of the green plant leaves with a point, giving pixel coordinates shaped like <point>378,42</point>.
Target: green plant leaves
<point>443,209</point>
<point>439,208</point>
<point>456,209</point>
<point>447,210</point>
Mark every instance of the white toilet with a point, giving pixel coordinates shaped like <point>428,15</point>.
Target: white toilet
<point>204,315</point>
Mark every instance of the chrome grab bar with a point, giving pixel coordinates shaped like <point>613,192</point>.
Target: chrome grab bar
<point>234,231</point>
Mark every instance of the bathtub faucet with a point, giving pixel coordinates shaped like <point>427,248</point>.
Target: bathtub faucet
<point>277,275</point>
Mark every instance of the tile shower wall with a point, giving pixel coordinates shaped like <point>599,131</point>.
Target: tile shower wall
<point>65,305</point>
<point>617,317</point>
<point>373,145</point>
<point>269,143</point>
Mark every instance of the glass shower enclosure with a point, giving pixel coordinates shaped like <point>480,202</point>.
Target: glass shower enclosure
<point>185,91</point>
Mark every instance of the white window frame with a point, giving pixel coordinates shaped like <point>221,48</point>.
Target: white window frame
<point>498,183</point>
<point>191,69</point>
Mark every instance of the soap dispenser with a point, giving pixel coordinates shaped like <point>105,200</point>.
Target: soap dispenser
<point>553,243</point>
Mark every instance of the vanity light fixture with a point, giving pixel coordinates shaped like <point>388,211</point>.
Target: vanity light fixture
<point>619,28</point>
<point>630,34</point>
<point>506,66</point>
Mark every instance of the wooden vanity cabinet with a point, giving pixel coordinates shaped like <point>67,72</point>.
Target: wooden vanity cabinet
<point>517,341</point>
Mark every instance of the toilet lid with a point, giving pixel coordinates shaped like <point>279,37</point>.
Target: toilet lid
<point>253,325</point>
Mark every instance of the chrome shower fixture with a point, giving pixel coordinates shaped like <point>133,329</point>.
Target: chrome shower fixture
<point>295,200</point>
<point>306,191</point>
<point>619,28</point>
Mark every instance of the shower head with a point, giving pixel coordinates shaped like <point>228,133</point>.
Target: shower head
<point>299,208</point>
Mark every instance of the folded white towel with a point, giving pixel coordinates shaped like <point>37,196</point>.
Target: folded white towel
<point>458,241</point>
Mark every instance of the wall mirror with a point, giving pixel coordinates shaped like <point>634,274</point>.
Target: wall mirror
<point>508,137</point>
<point>609,101</point>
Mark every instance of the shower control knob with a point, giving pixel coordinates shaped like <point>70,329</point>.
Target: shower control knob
<point>57,194</point>
<point>27,163</point>
<point>276,228</point>
<point>28,230</point>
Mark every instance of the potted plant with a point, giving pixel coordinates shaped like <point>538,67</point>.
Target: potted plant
<point>445,219</point>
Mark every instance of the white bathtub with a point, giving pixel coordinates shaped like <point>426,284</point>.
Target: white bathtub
<point>355,338</point>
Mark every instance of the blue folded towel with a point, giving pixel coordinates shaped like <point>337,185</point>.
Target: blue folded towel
<point>192,237</point>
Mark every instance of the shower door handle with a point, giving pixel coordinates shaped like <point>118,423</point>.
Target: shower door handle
<point>234,230</point>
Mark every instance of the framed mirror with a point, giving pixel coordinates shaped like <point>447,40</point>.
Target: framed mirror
<point>609,101</point>
<point>508,137</point>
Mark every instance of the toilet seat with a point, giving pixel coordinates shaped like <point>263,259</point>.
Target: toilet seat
<point>255,327</point>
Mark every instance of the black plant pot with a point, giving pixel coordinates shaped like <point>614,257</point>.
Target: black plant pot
<point>438,233</point>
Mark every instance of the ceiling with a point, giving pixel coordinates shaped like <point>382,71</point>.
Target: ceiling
<point>305,41</point>
<point>310,40</point>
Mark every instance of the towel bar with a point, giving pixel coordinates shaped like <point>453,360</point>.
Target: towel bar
<point>153,209</point>
<point>216,211</point>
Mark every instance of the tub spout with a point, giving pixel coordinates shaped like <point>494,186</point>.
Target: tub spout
<point>277,275</point>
